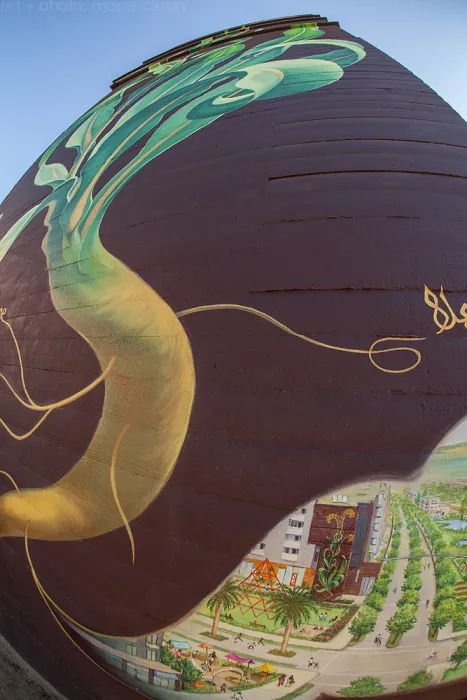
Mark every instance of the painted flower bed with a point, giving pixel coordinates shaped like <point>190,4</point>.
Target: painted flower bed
<point>339,625</point>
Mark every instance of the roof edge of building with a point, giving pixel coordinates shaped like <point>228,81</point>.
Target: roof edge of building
<point>220,38</point>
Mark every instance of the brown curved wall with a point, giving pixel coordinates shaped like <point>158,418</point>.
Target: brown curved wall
<point>329,210</point>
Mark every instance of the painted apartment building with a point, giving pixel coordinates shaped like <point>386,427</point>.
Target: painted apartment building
<point>372,521</point>
<point>287,548</point>
<point>433,506</point>
<point>379,519</point>
<point>139,658</point>
<point>295,546</point>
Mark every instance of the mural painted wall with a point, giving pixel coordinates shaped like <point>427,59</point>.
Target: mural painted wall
<point>361,592</point>
<point>346,581</point>
<point>131,329</point>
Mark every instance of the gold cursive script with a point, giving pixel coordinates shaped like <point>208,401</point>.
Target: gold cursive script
<point>444,318</point>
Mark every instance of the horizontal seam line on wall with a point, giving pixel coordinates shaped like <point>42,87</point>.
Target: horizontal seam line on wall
<point>346,172</point>
<point>368,116</point>
<point>362,138</point>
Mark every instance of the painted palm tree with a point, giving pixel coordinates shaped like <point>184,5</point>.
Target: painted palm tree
<point>291,608</point>
<point>225,598</point>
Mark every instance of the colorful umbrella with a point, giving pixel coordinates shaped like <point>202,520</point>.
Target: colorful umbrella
<point>237,659</point>
<point>266,668</point>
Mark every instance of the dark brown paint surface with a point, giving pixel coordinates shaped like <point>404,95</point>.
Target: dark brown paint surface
<point>330,211</point>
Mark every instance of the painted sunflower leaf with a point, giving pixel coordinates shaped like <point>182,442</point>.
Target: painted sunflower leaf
<point>113,98</point>
<point>51,174</point>
<point>162,68</point>
<point>220,53</point>
<point>254,82</point>
<point>304,31</point>
<point>149,108</point>
<point>257,55</point>
<point>343,566</point>
<point>18,227</point>
<point>302,75</point>
<point>85,133</point>
<point>173,130</point>
<point>322,580</point>
<point>343,57</point>
<point>122,139</point>
<point>53,147</point>
<point>352,46</point>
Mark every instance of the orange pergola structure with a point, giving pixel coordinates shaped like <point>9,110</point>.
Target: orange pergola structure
<point>256,587</point>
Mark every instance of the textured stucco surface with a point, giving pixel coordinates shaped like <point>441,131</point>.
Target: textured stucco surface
<point>19,681</point>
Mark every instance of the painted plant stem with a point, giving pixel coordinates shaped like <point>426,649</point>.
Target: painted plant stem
<point>150,389</point>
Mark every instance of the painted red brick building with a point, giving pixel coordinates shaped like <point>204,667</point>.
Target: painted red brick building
<point>355,533</point>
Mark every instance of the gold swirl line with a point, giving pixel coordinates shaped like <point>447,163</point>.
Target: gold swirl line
<point>32,406</point>
<point>46,598</point>
<point>8,476</point>
<point>401,348</point>
<point>18,351</point>
<point>30,432</point>
<point>113,484</point>
<point>370,353</point>
<point>50,601</point>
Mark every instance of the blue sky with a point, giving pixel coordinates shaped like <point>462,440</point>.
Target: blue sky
<point>58,57</point>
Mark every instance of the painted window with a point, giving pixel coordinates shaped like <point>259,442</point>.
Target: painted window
<point>295,523</point>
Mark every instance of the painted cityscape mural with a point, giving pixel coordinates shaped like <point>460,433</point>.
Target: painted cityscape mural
<point>356,593</point>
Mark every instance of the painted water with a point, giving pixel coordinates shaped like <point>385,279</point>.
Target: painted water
<point>454,524</point>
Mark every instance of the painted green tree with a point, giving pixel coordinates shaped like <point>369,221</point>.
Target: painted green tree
<point>363,623</point>
<point>291,608</point>
<point>410,597</point>
<point>225,598</point>
<point>419,679</point>
<point>364,686</point>
<point>413,582</point>
<point>402,621</point>
<point>189,672</point>
<point>442,615</point>
<point>382,585</point>
<point>448,593</point>
<point>459,655</point>
<point>463,508</point>
<point>375,601</point>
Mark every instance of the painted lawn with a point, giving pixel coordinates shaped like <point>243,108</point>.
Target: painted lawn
<point>451,674</point>
<point>244,619</point>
